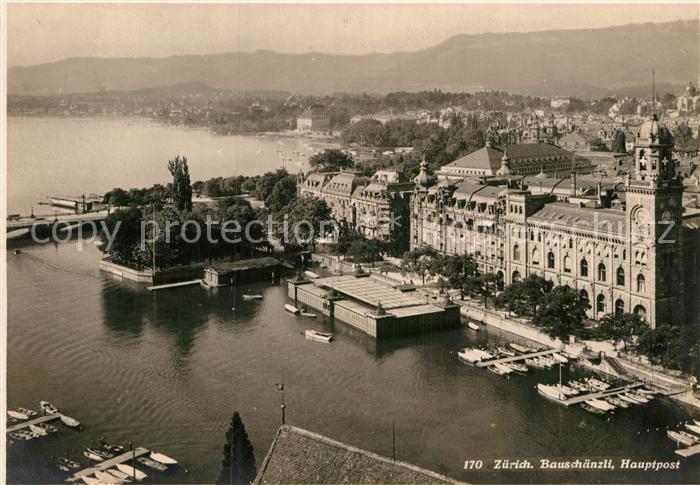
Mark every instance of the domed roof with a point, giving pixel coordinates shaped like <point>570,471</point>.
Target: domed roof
<point>655,132</point>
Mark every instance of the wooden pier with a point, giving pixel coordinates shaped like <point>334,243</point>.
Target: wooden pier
<point>107,464</point>
<point>689,451</point>
<point>599,394</point>
<point>175,285</point>
<point>39,420</point>
<point>486,363</point>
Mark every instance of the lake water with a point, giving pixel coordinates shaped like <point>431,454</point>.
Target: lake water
<point>48,156</point>
<point>166,369</point>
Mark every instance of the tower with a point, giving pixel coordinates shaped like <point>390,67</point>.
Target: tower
<point>653,196</point>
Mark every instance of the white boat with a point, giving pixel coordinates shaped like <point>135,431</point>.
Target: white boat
<point>291,309</point>
<point>600,404</point>
<point>535,363</point>
<point>68,421</point>
<point>551,393</point>
<point>90,480</point>
<point>697,422</point>
<point>496,370</point>
<point>151,463</point>
<point>505,351</point>
<point>92,456</point>
<point>679,438</point>
<point>104,477</point>
<point>252,297</point>
<point>308,314</point>
<point>473,326</point>
<point>507,369</point>
<point>693,427</point>
<point>319,336</point>
<point>519,348</point>
<point>617,402</point>
<point>690,436</point>
<point>560,358</point>
<point>473,355</point>
<point>164,459</point>
<point>38,430</point>
<point>17,415</point>
<point>48,407</point>
<point>518,367</point>
<point>131,471</point>
<point>30,413</point>
<point>627,399</point>
<point>311,274</point>
<point>569,391</point>
<point>635,398</point>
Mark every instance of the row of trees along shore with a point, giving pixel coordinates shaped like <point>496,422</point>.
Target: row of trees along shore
<point>559,311</point>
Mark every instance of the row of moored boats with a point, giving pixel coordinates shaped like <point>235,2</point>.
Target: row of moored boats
<point>22,415</point>
<point>474,355</point>
<point>689,436</point>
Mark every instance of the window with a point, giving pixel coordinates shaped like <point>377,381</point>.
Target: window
<point>620,276</point>
<point>535,256</point>
<point>601,272</point>
<point>515,277</point>
<point>567,264</point>
<point>550,259</point>
<point>619,307</point>
<point>641,283</point>
<point>600,304</point>
<point>516,252</point>
<point>584,296</point>
<point>584,267</point>
<point>641,311</point>
<point>571,243</point>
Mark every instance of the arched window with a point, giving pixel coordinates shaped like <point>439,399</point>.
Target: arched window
<point>499,281</point>
<point>584,267</point>
<point>550,259</point>
<point>600,304</point>
<point>641,283</point>
<point>619,307</point>
<point>584,296</point>
<point>620,276</point>
<point>601,272</point>
<point>641,311</point>
<point>535,256</point>
<point>515,277</point>
<point>516,252</point>
<point>567,264</point>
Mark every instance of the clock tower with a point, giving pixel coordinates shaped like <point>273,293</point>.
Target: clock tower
<point>653,204</point>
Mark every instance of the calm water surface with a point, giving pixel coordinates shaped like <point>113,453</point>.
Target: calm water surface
<point>166,370</point>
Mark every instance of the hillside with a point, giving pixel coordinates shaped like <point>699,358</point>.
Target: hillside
<point>586,63</point>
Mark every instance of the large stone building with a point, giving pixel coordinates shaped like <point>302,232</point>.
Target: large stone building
<point>625,256</point>
<point>314,119</point>
<point>365,204</point>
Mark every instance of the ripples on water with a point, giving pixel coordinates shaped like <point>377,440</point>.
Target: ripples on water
<point>166,370</point>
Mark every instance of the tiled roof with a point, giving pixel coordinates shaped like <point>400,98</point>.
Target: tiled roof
<point>535,151</point>
<point>587,219</point>
<point>300,456</point>
<point>345,183</point>
<point>487,158</point>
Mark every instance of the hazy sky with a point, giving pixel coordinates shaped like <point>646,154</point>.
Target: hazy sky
<point>44,33</point>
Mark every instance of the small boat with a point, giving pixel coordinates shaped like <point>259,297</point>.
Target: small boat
<point>164,459</point>
<point>110,447</point>
<point>101,453</point>
<point>151,463</point>
<point>679,438</point>
<point>38,430</point>
<point>560,358</point>
<point>473,326</point>
<point>627,399</point>
<point>600,404</point>
<point>693,427</point>
<point>505,351</point>
<point>311,274</point>
<point>690,436</point>
<point>519,348</point>
<point>319,336</point>
<point>640,390</point>
<point>252,297</point>
<point>91,480</point>
<point>474,355</point>
<point>598,385</point>
<point>22,435</point>
<point>518,367</point>
<point>617,402</point>
<point>70,464</point>
<point>635,398</point>
<point>569,391</point>
<point>48,407</point>
<point>131,471</point>
<point>551,392</point>
<point>645,399</point>
<point>592,409</point>
<point>120,475</point>
<point>48,428</point>
<point>697,422</point>
<point>70,422</point>
<point>30,413</point>
<point>536,363</point>
<point>17,415</point>
<point>104,477</point>
<point>291,309</point>
<point>496,370</point>
<point>92,456</point>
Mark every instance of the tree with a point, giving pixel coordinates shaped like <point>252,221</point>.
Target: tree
<point>182,188</point>
<point>619,142</point>
<point>673,346</point>
<point>238,461</point>
<point>308,218</point>
<point>265,184</point>
<point>488,285</point>
<point>125,225</point>
<point>366,250</point>
<point>117,197</point>
<point>282,192</point>
<point>562,313</point>
<point>461,272</point>
<point>622,326</point>
<point>683,135</point>
<point>330,161</point>
<point>421,261</point>
<point>526,296</point>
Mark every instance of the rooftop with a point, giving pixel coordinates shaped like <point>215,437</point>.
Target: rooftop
<point>300,456</point>
<point>369,291</point>
<point>571,216</point>
<point>244,264</point>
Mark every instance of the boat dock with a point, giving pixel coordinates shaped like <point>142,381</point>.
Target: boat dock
<point>174,285</point>
<point>597,395</point>
<point>504,360</point>
<point>689,451</point>
<point>39,420</point>
<point>107,464</point>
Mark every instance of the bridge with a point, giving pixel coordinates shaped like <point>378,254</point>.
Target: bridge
<point>64,219</point>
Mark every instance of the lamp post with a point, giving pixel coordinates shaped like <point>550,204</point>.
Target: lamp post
<point>280,387</point>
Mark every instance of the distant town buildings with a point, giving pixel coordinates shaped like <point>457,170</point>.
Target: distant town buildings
<point>315,118</point>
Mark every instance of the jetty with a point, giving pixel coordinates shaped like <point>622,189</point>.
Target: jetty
<point>175,285</point>
<point>689,451</point>
<point>39,420</point>
<point>595,395</point>
<point>107,464</point>
<point>504,360</point>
